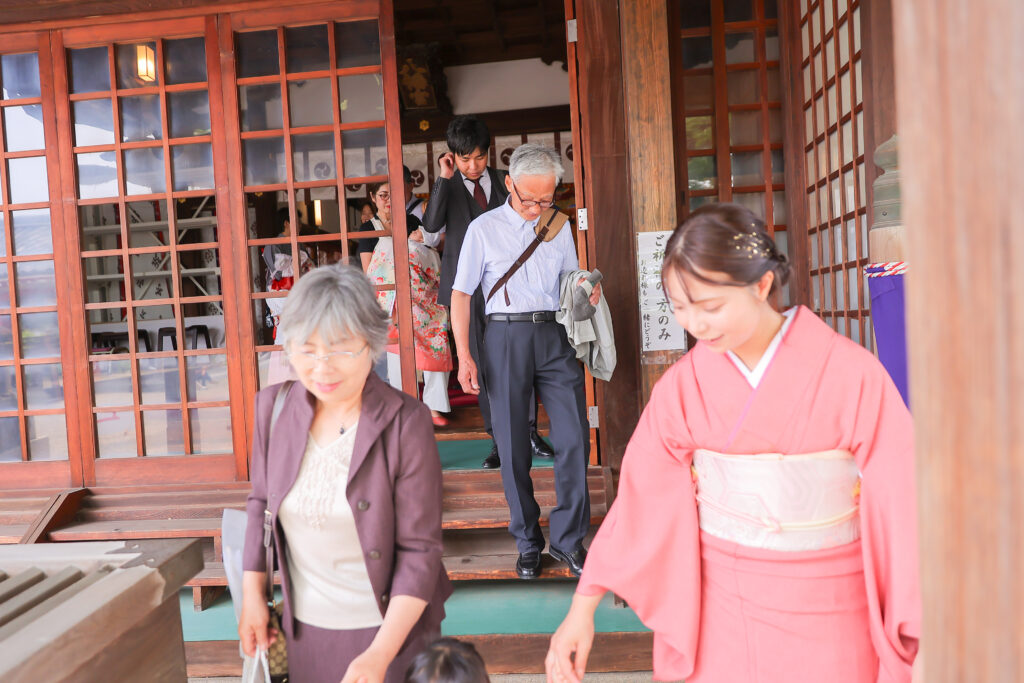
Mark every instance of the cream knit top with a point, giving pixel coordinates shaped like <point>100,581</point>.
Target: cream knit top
<point>330,587</point>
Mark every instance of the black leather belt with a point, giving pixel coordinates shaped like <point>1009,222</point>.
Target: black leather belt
<point>535,317</point>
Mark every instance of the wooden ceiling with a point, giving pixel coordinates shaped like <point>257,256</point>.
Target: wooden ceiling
<point>482,31</point>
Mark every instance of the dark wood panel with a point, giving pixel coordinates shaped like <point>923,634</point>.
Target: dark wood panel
<point>513,122</point>
<point>208,468</point>
<point>606,173</point>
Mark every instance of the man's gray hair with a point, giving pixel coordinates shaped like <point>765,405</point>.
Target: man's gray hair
<point>338,302</point>
<point>534,159</point>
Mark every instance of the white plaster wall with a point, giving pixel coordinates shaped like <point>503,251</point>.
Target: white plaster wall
<point>500,86</point>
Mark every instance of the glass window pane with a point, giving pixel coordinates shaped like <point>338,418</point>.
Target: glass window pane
<point>207,378</point>
<point>702,173</point>
<point>158,379</point>
<point>699,92</point>
<point>739,48</point>
<point>775,125</point>
<point>264,161</point>
<point>23,128</point>
<point>844,43</point>
<point>774,93</point>
<point>853,279</point>
<point>738,10</point>
<point>771,9</point>
<point>814,251</point>
<point>152,277</point>
<point>752,200</point>
<point>90,71</point>
<point>701,200</point>
<point>147,224</point>
<point>306,49</point>
<point>188,113</point>
<point>830,58</point>
<point>10,440</point>
<point>211,430</point>
<point>20,76</point>
<point>699,133</point>
<point>778,166</point>
<point>747,169</point>
<point>771,44</point>
<point>94,122</point>
<point>8,388</point>
<point>6,338</point>
<point>36,284</point>
<point>695,13</point>
<point>260,107</point>
<point>97,175</point>
<point>309,103</point>
<point>38,332</point>
<point>697,53</point>
<point>144,171</point>
<point>31,232</point>
<point>365,152</point>
<point>112,383</point>
<point>851,241</point>
<point>361,98</point>
<point>104,282</point>
<point>140,118</point>
<point>856,29</point>
<point>44,386</point>
<point>779,214</point>
<point>313,157</point>
<point>744,87</point>
<point>100,226</point>
<point>815,26</point>
<point>200,276</point>
<point>745,128</point>
<point>162,432</point>
<point>257,54</point>
<point>28,180</point>
<point>47,437</point>
<point>136,65</point>
<point>115,434</point>
<point>5,287</point>
<point>357,43</point>
<point>193,167</point>
<point>185,60</point>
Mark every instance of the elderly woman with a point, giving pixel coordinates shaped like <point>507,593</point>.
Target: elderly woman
<point>351,477</point>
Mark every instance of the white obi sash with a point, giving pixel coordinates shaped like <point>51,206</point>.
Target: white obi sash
<point>779,502</point>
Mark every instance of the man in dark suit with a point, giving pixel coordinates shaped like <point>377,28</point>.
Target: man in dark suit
<point>464,189</point>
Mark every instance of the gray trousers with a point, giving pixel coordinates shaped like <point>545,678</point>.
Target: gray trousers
<point>521,358</point>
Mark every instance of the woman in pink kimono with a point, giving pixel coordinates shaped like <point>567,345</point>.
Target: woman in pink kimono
<point>765,524</point>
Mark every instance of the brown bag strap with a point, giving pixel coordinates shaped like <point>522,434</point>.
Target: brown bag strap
<point>268,518</point>
<point>523,258</point>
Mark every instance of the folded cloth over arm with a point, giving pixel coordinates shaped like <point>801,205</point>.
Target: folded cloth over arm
<point>594,338</point>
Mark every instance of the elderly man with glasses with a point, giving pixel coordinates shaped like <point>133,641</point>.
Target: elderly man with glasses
<point>526,349</point>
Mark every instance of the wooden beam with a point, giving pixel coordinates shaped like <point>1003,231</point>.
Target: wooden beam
<point>879,86</point>
<point>513,122</point>
<point>60,510</point>
<point>959,111</point>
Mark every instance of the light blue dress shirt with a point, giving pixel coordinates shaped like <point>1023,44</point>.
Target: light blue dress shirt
<point>493,242</point>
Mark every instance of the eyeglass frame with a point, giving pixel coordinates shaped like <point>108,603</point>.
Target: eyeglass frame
<point>530,203</point>
<point>313,358</point>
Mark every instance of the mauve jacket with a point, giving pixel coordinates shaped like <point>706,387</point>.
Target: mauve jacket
<point>394,489</point>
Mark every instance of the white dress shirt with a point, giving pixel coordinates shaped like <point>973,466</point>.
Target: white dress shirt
<point>754,376</point>
<point>493,242</point>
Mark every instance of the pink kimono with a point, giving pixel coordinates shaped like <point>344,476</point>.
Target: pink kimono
<point>721,611</point>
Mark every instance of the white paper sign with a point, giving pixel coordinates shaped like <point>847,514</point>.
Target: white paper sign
<point>659,330</point>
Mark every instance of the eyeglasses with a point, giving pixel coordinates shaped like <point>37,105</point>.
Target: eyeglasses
<point>307,358</point>
<point>530,203</point>
<point>384,196</point>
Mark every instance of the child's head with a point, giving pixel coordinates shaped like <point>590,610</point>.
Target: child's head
<point>447,660</point>
<point>469,140</point>
<point>720,269</point>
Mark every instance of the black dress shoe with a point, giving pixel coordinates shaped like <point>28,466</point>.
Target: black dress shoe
<point>528,565</point>
<point>575,559</point>
<point>491,462</point>
<point>539,446</point>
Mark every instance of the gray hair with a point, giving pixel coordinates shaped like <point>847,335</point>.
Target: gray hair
<point>337,301</point>
<point>534,159</point>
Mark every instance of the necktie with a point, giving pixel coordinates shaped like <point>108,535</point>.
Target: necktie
<point>478,194</point>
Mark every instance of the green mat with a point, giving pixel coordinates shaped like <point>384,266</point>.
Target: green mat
<point>476,607</point>
<point>467,455</point>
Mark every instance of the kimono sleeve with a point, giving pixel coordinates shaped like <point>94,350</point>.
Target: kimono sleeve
<point>647,551</point>
<point>883,444</point>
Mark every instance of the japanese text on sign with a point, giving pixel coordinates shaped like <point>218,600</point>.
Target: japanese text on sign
<point>659,330</point>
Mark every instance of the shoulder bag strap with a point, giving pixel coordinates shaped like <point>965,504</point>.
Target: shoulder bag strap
<point>268,529</point>
<point>523,258</point>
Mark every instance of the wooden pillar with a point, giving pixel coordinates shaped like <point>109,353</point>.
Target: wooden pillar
<point>960,108</point>
<point>647,81</point>
<point>606,171</point>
